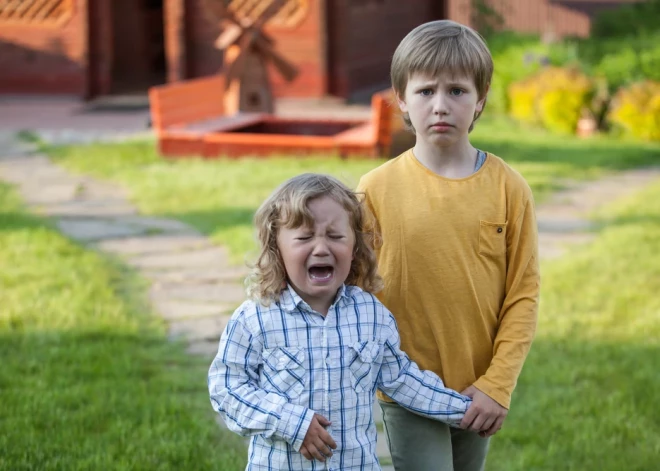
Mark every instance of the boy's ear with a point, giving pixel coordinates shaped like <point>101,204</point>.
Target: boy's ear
<point>402,104</point>
<point>481,103</point>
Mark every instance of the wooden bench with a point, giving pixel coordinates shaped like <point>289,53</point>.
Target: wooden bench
<point>373,138</point>
<point>183,113</point>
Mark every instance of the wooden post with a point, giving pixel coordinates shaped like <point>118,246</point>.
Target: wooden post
<point>175,39</point>
<point>99,48</point>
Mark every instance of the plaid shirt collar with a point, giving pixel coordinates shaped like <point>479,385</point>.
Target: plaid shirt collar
<point>290,301</point>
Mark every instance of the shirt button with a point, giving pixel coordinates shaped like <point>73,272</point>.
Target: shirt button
<point>499,230</point>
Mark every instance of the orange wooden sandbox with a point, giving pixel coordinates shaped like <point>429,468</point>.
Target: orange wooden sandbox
<point>189,120</point>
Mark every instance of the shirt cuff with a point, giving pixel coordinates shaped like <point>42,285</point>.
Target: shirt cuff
<point>293,424</point>
<point>492,391</point>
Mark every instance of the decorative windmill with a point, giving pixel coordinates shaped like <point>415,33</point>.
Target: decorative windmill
<point>247,52</point>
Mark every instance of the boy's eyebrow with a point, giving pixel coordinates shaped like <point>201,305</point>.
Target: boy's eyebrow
<point>460,81</point>
<point>426,84</point>
<point>463,84</point>
<point>453,82</point>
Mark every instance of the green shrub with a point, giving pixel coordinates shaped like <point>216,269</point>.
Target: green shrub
<point>565,95</point>
<point>554,97</point>
<point>622,61</point>
<point>627,20</point>
<point>636,109</point>
<point>517,56</point>
<point>617,62</point>
<point>523,96</point>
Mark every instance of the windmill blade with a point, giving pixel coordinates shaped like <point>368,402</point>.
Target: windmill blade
<point>283,66</point>
<point>230,35</point>
<point>271,10</point>
<point>237,64</point>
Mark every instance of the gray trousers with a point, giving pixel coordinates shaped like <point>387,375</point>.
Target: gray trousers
<point>420,444</point>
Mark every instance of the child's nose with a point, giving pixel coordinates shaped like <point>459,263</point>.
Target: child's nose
<point>321,247</point>
<point>440,104</point>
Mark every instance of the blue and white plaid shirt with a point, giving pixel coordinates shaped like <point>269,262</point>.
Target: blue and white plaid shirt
<point>278,365</point>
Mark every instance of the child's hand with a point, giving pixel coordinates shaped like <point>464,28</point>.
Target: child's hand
<point>484,414</point>
<point>317,442</point>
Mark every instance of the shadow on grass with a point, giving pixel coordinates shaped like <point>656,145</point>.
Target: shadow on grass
<point>609,155</point>
<point>14,221</point>
<point>583,404</point>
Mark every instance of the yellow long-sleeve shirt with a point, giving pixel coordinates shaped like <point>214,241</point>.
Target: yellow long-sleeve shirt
<point>460,262</point>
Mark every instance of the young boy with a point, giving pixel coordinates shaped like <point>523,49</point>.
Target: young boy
<point>298,365</point>
<point>459,249</point>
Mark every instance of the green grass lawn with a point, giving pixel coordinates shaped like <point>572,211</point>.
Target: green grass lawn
<point>88,379</point>
<point>588,395</point>
<point>587,398</point>
<point>219,197</point>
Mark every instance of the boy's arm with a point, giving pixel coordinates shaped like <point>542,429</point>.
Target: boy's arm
<point>518,314</point>
<point>233,383</point>
<point>422,392</point>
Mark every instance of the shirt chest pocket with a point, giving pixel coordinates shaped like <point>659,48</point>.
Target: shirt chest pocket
<point>283,370</point>
<point>492,239</point>
<point>364,358</point>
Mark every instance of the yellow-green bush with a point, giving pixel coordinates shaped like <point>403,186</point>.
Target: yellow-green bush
<point>554,97</point>
<point>637,110</point>
<point>522,99</point>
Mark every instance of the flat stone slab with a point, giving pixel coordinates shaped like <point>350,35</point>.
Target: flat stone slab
<point>560,224</point>
<point>208,328</point>
<point>21,167</point>
<point>185,275</point>
<point>12,148</point>
<point>51,194</point>
<point>177,310</point>
<point>87,230</point>
<point>200,258</point>
<point>87,208</point>
<point>154,244</point>
<point>224,293</point>
<point>157,224</point>
<point>207,349</point>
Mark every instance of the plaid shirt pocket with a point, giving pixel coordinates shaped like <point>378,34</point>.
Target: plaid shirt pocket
<point>363,356</point>
<point>284,371</point>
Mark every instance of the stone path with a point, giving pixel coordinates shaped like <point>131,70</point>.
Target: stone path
<point>192,285</point>
<point>563,220</point>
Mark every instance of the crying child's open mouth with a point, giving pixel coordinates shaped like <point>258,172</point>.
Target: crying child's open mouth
<point>321,272</point>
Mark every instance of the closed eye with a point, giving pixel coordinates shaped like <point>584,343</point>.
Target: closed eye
<point>304,238</point>
<point>336,237</point>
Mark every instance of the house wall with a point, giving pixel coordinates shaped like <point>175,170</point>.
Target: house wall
<point>553,18</point>
<point>365,35</point>
<point>49,59</point>
<point>341,47</point>
<point>543,17</point>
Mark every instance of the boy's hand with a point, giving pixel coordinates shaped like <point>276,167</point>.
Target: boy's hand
<point>317,442</point>
<point>484,414</point>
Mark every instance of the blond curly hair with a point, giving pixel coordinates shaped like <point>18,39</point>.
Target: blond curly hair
<point>288,207</point>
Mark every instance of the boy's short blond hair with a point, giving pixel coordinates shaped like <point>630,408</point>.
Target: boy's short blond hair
<point>288,207</point>
<point>439,47</point>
